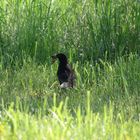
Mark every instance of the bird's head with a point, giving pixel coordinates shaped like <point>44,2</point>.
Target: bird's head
<point>61,57</point>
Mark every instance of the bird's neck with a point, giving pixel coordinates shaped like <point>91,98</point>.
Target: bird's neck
<point>62,64</point>
<point>62,67</point>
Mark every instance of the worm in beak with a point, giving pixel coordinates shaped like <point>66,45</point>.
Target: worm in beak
<point>53,58</point>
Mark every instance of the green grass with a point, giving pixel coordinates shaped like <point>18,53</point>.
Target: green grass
<point>102,29</point>
<point>103,105</point>
<point>101,40</point>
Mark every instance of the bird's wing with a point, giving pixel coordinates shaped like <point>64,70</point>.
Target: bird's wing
<point>71,76</point>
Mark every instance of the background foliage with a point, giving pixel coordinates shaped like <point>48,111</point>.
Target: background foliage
<point>88,29</point>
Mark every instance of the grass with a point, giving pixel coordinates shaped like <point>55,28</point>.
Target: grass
<point>104,104</point>
<point>40,28</point>
<point>101,40</point>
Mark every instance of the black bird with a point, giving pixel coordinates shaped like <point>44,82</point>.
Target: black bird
<point>65,73</point>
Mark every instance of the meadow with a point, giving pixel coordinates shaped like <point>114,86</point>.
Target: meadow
<point>102,42</point>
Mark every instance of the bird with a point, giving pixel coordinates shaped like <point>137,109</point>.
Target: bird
<point>65,73</point>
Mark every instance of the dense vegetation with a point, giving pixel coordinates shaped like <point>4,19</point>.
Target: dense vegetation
<point>102,41</point>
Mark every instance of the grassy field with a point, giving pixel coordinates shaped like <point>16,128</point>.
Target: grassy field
<point>101,40</point>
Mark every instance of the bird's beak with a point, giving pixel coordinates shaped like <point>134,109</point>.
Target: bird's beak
<point>53,59</point>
